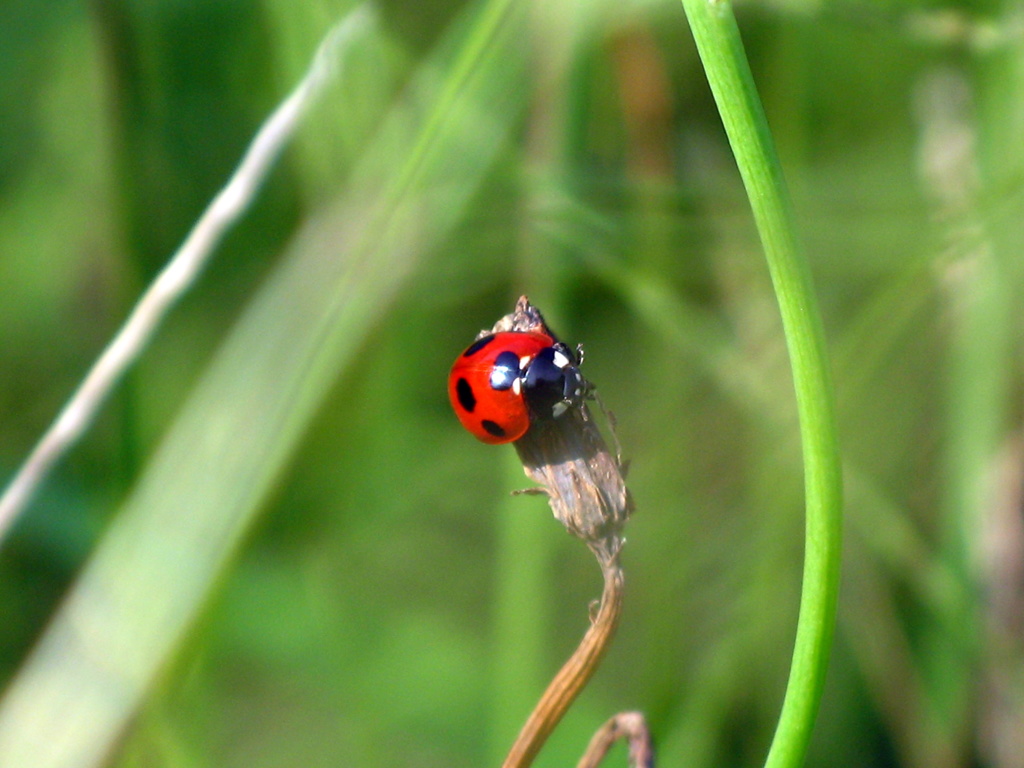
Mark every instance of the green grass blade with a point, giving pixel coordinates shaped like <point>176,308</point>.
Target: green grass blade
<point>721,50</point>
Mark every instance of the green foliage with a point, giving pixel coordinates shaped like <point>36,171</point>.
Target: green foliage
<point>355,584</point>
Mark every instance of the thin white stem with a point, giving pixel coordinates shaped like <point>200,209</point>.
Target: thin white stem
<point>179,274</point>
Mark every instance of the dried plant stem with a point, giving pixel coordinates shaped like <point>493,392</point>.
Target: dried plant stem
<point>625,725</point>
<point>179,274</point>
<point>574,674</point>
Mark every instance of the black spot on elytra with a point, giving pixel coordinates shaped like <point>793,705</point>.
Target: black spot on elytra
<point>505,371</point>
<point>477,345</point>
<point>492,428</point>
<point>465,395</point>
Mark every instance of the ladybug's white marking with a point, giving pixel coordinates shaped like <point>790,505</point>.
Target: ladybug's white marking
<point>559,408</point>
<point>560,359</point>
<point>524,361</point>
<point>517,385</point>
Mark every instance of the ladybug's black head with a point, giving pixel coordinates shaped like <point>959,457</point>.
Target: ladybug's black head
<point>553,383</point>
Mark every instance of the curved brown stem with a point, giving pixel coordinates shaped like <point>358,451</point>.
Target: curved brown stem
<point>625,725</point>
<point>574,674</point>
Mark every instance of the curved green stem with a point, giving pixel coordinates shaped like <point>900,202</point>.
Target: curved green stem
<point>721,51</point>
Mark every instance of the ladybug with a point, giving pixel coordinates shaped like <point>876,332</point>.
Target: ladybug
<point>504,381</point>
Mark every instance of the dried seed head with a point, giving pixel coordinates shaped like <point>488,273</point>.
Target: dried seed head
<point>568,458</point>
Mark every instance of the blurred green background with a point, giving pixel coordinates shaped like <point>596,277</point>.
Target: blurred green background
<point>377,597</point>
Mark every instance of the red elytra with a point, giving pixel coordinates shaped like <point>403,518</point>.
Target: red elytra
<point>485,384</point>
